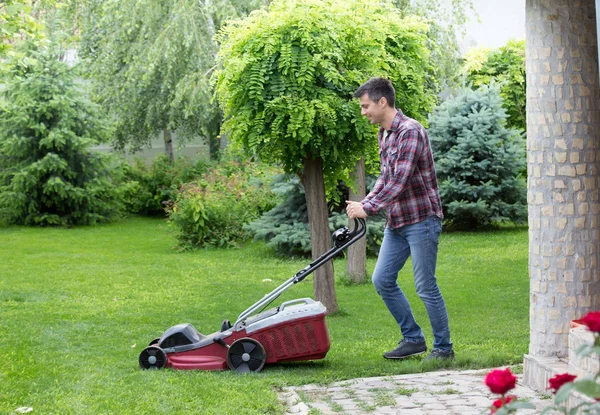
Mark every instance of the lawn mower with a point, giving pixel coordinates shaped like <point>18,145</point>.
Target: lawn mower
<point>295,330</point>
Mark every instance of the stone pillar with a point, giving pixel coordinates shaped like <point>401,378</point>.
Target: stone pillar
<point>563,130</point>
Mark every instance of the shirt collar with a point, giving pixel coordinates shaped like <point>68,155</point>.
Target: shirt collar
<point>396,122</point>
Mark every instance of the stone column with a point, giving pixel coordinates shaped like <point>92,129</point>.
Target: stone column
<point>563,130</point>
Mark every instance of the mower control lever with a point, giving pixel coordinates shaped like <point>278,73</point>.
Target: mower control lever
<point>220,341</point>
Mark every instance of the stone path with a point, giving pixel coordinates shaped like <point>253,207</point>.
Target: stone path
<point>430,393</point>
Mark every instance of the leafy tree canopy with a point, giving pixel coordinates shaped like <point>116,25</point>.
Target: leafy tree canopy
<point>151,60</point>
<point>506,67</point>
<point>286,78</point>
<point>447,21</point>
<point>16,23</point>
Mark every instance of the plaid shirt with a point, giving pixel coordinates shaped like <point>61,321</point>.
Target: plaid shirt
<point>407,185</point>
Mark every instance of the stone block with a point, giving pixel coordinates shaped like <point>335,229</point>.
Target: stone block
<point>558,80</point>
<point>559,184</point>
<point>581,169</point>
<point>537,370</point>
<point>567,171</point>
<point>567,209</point>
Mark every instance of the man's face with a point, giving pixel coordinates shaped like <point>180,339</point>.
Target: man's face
<point>374,111</point>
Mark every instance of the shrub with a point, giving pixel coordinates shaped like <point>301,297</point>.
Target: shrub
<point>48,173</point>
<point>285,227</point>
<point>152,185</point>
<point>212,210</point>
<point>478,160</point>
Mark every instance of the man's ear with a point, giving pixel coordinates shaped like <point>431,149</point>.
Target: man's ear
<point>383,102</point>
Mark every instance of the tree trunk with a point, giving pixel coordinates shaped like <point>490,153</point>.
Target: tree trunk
<point>168,144</point>
<point>563,120</point>
<point>356,268</point>
<point>320,236</point>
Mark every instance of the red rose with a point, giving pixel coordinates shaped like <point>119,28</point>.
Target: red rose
<point>500,381</point>
<point>557,381</point>
<point>499,402</point>
<point>592,320</point>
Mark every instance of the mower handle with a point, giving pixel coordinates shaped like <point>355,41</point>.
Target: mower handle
<point>297,301</point>
<point>343,238</point>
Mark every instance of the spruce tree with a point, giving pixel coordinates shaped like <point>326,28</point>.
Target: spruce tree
<point>48,173</point>
<point>478,160</point>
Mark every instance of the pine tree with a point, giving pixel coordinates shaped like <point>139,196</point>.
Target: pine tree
<point>48,173</point>
<point>478,160</point>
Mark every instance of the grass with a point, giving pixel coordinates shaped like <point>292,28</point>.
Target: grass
<point>77,306</point>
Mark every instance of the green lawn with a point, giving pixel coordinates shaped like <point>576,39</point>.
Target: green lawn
<point>78,305</point>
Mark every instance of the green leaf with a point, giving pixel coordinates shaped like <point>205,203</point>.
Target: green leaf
<point>564,392</point>
<point>518,404</point>
<point>584,350</point>
<point>588,387</point>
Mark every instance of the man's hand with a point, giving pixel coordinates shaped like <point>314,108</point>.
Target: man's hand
<point>355,210</point>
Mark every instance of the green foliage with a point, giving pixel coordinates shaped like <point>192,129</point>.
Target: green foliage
<point>16,23</point>
<point>447,20</point>
<point>150,60</point>
<point>506,67</point>
<point>285,227</point>
<point>478,160</point>
<point>286,79</point>
<point>151,186</point>
<point>38,21</point>
<point>48,174</point>
<point>212,211</point>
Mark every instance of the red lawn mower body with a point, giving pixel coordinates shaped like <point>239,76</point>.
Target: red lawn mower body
<point>295,330</point>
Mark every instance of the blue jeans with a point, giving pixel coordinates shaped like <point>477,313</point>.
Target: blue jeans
<point>419,240</point>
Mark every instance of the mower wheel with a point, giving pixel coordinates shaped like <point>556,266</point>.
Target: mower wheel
<point>246,355</point>
<point>153,357</point>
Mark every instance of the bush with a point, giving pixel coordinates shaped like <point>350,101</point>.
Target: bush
<point>150,186</point>
<point>212,211</point>
<point>478,160</point>
<point>48,173</point>
<point>285,227</point>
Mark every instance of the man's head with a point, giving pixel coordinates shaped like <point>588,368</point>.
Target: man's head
<point>377,99</point>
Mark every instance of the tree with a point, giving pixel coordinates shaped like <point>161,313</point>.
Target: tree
<point>48,174</point>
<point>447,20</point>
<point>478,160</point>
<point>356,267</point>
<point>506,67</point>
<point>151,60</point>
<point>286,80</point>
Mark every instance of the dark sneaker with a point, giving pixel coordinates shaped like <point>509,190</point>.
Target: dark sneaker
<point>439,354</point>
<point>406,349</point>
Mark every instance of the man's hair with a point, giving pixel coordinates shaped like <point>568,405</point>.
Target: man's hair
<point>378,88</point>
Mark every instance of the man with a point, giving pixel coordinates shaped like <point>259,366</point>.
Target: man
<point>407,189</point>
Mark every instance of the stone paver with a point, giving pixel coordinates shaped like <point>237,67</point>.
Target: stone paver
<point>431,393</point>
